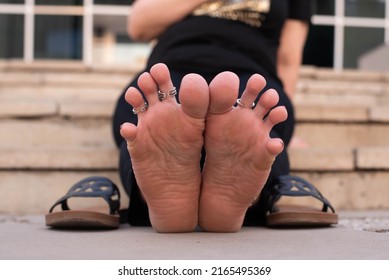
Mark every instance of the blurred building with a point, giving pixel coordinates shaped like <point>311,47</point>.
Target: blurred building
<point>94,31</point>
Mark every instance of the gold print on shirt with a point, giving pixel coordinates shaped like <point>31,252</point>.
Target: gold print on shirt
<point>247,11</point>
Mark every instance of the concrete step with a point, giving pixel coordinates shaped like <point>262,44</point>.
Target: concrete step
<point>106,158</point>
<point>15,79</point>
<point>101,102</point>
<point>342,113</point>
<point>95,131</point>
<point>309,72</point>
<point>27,192</point>
<point>33,192</point>
<point>54,133</point>
<point>345,87</point>
<point>343,134</point>
<point>65,66</point>
<point>350,190</point>
<point>339,159</point>
<point>329,74</point>
<point>59,158</point>
<point>94,92</point>
<point>60,93</point>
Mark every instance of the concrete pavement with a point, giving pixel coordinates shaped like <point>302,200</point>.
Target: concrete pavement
<point>359,235</point>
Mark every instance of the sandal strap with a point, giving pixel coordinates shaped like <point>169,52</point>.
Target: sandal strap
<point>289,185</point>
<point>94,186</point>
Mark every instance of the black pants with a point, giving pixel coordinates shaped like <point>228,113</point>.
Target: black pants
<point>138,211</point>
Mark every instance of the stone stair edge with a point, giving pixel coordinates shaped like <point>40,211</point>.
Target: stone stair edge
<point>65,66</point>
<point>58,159</point>
<point>321,73</point>
<point>324,74</point>
<point>345,190</point>
<point>73,105</point>
<point>313,159</point>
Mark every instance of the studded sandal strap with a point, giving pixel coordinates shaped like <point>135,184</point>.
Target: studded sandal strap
<point>289,185</point>
<point>94,186</point>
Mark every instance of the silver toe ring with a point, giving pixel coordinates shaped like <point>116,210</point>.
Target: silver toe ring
<point>241,104</point>
<point>162,95</point>
<point>172,92</point>
<point>141,109</point>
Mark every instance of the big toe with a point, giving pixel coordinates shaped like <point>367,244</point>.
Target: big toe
<point>223,91</point>
<point>194,96</point>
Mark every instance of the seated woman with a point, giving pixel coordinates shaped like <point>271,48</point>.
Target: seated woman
<point>170,185</point>
<point>203,130</point>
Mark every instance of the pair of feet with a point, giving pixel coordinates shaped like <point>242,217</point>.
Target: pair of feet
<point>165,149</point>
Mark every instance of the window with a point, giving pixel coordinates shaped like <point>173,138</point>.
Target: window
<point>58,37</point>
<point>321,7</point>
<point>11,1</point>
<point>94,31</point>
<point>111,43</point>
<point>59,2</point>
<point>365,8</point>
<point>348,29</point>
<point>358,41</point>
<point>114,2</point>
<point>319,49</point>
<point>12,30</point>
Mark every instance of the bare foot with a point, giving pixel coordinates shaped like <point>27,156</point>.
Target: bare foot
<point>165,148</point>
<point>239,150</point>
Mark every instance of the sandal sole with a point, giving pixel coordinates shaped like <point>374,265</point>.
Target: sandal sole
<point>300,216</point>
<point>302,219</point>
<point>82,220</point>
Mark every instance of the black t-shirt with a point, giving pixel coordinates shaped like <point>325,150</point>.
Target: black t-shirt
<point>210,44</point>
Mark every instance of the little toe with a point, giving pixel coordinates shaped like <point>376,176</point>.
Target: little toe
<point>128,131</point>
<point>275,146</point>
<point>223,91</point>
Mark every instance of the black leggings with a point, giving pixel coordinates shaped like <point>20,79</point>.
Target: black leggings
<point>138,211</point>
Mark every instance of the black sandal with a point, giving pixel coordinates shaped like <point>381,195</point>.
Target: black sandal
<point>291,215</point>
<point>94,186</point>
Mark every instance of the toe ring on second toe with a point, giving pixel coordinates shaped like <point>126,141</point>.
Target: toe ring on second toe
<point>161,95</point>
<point>171,93</point>
<point>140,109</point>
<point>241,104</point>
